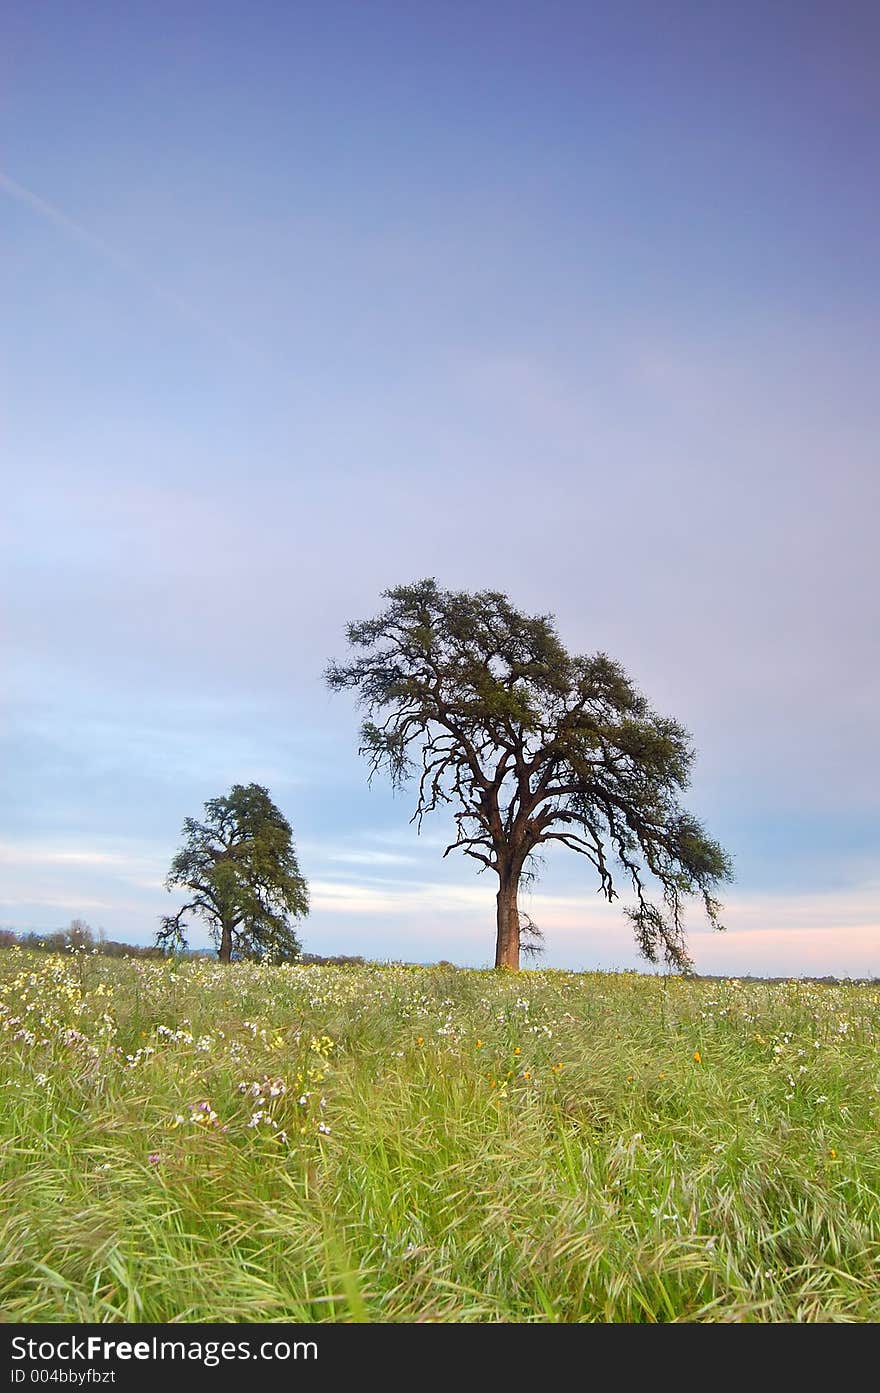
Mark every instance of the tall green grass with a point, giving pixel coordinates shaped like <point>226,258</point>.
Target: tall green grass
<point>543,1147</point>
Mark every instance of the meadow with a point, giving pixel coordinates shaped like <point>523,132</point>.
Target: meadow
<point>181,1141</point>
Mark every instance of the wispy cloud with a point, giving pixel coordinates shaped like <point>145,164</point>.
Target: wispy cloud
<point>11,855</point>
<point>60,903</point>
<point>837,932</point>
<point>367,858</point>
<point>58,218</point>
<point>344,897</point>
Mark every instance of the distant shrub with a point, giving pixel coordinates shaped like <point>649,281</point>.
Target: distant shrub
<point>338,960</point>
<point>77,936</point>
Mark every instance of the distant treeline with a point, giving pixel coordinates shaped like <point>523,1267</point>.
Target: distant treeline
<point>78,935</point>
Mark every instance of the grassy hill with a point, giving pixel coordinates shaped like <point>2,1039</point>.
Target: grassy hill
<point>188,1142</point>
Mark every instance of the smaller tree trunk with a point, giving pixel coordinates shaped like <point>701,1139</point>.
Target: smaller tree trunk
<point>507,941</point>
<point>225,952</point>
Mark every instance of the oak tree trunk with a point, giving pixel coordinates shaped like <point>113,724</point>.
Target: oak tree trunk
<point>225,953</point>
<point>507,941</point>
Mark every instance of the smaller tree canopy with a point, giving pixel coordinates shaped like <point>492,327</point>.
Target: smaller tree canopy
<point>241,870</point>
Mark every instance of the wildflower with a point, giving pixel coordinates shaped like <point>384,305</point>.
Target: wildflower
<point>154,1158</point>
<point>203,1112</point>
<point>421,1040</point>
<point>323,1129</point>
<point>517,1050</point>
<point>698,1058</point>
<point>833,1154</point>
<point>479,1044</point>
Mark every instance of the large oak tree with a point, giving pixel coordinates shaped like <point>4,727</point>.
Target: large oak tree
<point>243,878</point>
<point>532,746</point>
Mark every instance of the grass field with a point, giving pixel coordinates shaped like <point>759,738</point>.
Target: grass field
<point>183,1142</point>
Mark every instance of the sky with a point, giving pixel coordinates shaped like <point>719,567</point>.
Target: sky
<point>306,300</point>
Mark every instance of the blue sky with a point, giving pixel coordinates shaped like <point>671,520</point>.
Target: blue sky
<point>303,301</point>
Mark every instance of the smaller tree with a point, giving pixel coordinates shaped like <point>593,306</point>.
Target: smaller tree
<point>241,869</point>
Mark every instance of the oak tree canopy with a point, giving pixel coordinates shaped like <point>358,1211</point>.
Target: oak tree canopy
<point>243,878</point>
<point>532,746</point>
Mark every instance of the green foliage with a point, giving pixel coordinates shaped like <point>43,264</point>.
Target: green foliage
<point>532,745</point>
<point>242,871</point>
